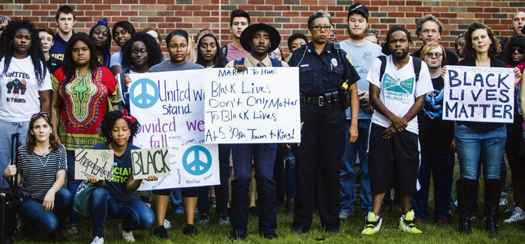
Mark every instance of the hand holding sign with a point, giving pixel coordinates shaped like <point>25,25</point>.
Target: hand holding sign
<point>479,94</point>
<point>150,163</point>
<point>94,163</point>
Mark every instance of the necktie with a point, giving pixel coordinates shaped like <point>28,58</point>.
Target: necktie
<point>259,64</point>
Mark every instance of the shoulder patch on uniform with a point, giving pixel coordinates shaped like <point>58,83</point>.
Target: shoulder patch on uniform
<point>349,59</point>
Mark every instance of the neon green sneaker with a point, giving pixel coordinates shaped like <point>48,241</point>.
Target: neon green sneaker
<point>373,224</point>
<point>407,224</point>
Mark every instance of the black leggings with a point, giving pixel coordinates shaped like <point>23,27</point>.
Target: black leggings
<point>514,136</point>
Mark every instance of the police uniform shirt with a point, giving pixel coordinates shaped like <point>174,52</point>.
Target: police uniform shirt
<point>250,61</point>
<point>325,72</point>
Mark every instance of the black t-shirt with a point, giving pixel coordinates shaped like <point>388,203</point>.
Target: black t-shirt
<point>122,171</point>
<point>434,132</point>
<point>53,64</point>
<point>482,126</point>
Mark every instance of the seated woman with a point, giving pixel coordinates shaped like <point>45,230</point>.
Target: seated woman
<point>41,163</point>
<point>118,198</point>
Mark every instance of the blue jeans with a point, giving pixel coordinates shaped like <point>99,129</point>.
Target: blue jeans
<point>264,158</point>
<point>40,220</point>
<point>358,148</point>
<point>6,129</point>
<point>72,184</point>
<point>472,145</point>
<point>176,201</point>
<point>135,214</point>
<point>439,165</point>
<point>289,162</point>
<point>284,173</point>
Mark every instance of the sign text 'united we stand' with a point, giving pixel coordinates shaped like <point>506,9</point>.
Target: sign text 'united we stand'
<point>259,105</point>
<point>170,109</point>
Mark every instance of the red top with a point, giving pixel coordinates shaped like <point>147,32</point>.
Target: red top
<point>82,105</point>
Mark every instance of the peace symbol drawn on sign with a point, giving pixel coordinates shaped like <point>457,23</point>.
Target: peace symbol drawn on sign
<point>197,166</point>
<point>142,98</point>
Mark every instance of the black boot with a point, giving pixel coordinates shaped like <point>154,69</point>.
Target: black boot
<point>492,196</point>
<point>465,196</point>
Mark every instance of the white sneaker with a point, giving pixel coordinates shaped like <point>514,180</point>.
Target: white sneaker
<point>128,236</point>
<point>167,224</point>
<point>510,208</point>
<point>98,240</point>
<point>517,215</point>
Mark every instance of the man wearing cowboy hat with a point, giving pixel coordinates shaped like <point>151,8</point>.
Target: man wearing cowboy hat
<point>258,39</point>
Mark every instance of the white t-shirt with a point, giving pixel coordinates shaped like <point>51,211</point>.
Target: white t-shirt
<point>116,59</point>
<point>19,97</point>
<point>398,91</point>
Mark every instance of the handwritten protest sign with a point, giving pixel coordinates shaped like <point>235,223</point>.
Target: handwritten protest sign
<point>259,105</point>
<point>170,109</point>
<point>479,94</point>
<point>148,162</point>
<point>97,163</point>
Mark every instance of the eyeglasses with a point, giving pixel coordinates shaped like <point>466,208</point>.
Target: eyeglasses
<point>319,27</point>
<point>141,51</point>
<point>40,114</point>
<point>434,55</point>
<point>519,49</point>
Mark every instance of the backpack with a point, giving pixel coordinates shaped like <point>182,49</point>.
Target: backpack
<point>275,62</point>
<point>416,62</point>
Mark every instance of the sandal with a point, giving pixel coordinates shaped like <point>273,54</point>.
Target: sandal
<point>72,229</point>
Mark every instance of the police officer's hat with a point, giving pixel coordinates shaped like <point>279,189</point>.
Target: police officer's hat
<point>247,35</point>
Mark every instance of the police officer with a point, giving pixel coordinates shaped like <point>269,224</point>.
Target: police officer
<point>323,71</point>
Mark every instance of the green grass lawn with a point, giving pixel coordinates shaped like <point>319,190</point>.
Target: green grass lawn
<point>350,231</point>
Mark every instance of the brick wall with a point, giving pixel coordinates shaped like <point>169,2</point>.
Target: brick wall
<point>288,16</point>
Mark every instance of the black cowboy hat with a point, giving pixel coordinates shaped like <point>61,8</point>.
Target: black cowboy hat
<point>247,35</point>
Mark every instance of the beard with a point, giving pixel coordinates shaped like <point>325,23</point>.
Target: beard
<point>399,57</point>
<point>355,36</point>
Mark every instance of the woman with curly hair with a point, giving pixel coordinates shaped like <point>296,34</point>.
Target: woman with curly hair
<point>139,54</point>
<point>514,57</point>
<point>122,31</point>
<point>101,36</point>
<point>118,198</point>
<point>25,81</point>
<point>480,141</point>
<point>84,93</point>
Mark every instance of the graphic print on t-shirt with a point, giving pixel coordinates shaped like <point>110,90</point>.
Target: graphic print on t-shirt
<point>16,87</point>
<point>120,174</point>
<point>434,104</point>
<point>399,90</point>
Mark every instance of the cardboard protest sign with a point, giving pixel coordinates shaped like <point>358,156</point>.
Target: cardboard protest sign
<point>259,105</point>
<point>479,94</point>
<point>146,162</point>
<point>170,109</point>
<point>97,163</point>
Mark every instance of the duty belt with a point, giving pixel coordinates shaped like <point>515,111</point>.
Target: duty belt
<point>328,100</point>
